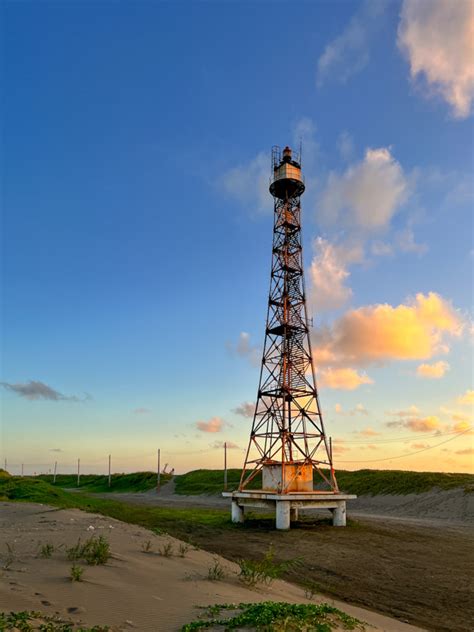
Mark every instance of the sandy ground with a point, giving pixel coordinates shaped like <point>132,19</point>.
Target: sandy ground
<point>134,590</point>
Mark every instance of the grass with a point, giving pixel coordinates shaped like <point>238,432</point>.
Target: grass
<point>360,482</point>
<point>76,573</point>
<point>94,551</point>
<point>274,616</point>
<point>120,483</point>
<point>46,551</point>
<point>216,572</point>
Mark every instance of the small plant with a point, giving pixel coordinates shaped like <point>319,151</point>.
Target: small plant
<point>183,549</point>
<point>10,557</point>
<point>216,572</point>
<point>75,552</point>
<point>94,551</point>
<point>76,573</point>
<point>167,549</point>
<point>147,546</point>
<point>46,551</point>
<point>311,589</point>
<point>264,571</point>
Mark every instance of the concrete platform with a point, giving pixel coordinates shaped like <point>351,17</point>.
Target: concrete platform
<point>286,506</point>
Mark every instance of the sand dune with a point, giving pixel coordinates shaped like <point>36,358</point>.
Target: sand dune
<point>135,590</point>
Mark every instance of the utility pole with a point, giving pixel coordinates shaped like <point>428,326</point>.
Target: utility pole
<point>78,472</point>
<point>22,469</point>
<point>110,475</point>
<point>158,473</point>
<point>54,475</point>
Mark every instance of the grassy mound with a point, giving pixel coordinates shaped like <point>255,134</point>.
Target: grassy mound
<point>361,482</point>
<point>136,482</point>
<point>4,473</point>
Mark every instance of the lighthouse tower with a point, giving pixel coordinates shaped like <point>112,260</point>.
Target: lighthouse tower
<point>289,457</point>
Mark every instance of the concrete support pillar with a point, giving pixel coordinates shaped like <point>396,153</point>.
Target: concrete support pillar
<point>237,512</point>
<point>339,515</point>
<point>293,514</point>
<point>282,511</point>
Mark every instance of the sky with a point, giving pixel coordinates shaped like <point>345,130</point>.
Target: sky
<point>137,226</point>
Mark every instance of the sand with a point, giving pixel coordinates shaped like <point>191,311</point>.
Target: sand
<point>135,590</point>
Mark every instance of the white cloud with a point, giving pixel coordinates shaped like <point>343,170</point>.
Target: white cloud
<point>405,240</point>
<point>245,349</point>
<point>328,274</point>
<point>248,183</point>
<point>345,145</point>
<point>432,371</point>
<point>349,52</point>
<point>437,38</point>
<point>368,194</point>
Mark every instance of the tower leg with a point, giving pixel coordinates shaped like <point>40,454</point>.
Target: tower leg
<point>237,512</point>
<point>293,514</point>
<point>282,511</point>
<point>339,515</point>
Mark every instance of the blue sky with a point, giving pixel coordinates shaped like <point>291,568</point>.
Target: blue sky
<point>137,227</point>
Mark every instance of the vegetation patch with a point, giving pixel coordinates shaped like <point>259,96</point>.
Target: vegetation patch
<point>275,616</point>
<point>94,551</point>
<point>120,483</point>
<point>360,482</point>
<point>32,621</point>
<point>264,571</point>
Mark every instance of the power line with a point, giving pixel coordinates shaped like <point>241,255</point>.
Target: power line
<point>400,456</point>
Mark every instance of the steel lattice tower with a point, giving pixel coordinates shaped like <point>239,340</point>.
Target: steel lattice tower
<point>288,443</point>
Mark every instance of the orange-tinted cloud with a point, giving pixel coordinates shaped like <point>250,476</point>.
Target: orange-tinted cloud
<point>343,378</point>
<point>368,432</point>
<point>432,371</point>
<point>215,424</point>
<point>417,424</point>
<point>467,398</point>
<point>380,333</point>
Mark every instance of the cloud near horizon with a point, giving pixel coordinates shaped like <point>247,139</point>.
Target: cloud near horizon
<point>437,39</point>
<point>417,424</point>
<point>219,445</point>
<point>36,390</point>
<point>245,409</point>
<point>215,424</point>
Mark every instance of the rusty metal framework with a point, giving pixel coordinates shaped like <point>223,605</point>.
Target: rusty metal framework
<point>288,425</point>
